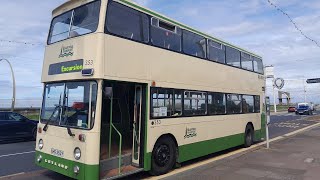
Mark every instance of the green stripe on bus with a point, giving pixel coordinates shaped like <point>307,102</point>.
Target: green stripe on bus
<point>198,149</point>
<point>65,167</point>
<point>185,27</point>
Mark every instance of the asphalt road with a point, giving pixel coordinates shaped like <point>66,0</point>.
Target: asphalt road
<point>17,159</point>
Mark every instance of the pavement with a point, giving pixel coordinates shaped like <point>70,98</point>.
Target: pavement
<point>293,158</point>
<point>17,159</point>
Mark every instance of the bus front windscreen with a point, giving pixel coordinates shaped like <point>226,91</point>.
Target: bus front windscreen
<point>70,104</point>
<point>76,22</point>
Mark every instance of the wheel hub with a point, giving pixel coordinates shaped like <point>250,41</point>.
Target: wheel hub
<point>162,155</point>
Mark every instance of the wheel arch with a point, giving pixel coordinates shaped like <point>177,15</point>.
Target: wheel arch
<point>249,124</point>
<point>170,136</point>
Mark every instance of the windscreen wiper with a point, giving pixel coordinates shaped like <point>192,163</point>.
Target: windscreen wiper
<point>45,128</point>
<point>69,132</point>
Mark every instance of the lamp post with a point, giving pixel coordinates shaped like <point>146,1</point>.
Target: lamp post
<point>14,85</point>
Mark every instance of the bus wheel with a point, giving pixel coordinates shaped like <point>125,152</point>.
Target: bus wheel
<point>163,156</point>
<point>248,141</point>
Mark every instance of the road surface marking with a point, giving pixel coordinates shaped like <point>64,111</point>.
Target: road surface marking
<point>205,162</point>
<point>11,175</point>
<point>7,155</point>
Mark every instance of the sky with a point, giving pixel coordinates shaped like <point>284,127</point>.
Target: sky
<point>251,24</point>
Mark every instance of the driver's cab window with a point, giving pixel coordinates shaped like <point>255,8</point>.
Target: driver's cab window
<point>53,101</point>
<point>77,101</point>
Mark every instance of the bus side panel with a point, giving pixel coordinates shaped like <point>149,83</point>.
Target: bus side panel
<point>198,149</point>
<point>195,150</point>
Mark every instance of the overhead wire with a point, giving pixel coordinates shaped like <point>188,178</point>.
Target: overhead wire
<point>294,23</point>
<point>22,42</point>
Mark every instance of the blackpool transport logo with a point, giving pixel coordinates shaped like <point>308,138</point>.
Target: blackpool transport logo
<point>66,51</point>
<point>190,132</point>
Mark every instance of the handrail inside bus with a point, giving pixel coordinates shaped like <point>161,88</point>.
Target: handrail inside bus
<point>110,135</point>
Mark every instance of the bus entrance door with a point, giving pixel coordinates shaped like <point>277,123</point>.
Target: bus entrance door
<point>137,125</point>
<point>121,128</point>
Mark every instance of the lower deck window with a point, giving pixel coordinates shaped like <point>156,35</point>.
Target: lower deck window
<point>216,103</point>
<point>234,105</point>
<point>195,103</point>
<point>169,103</point>
<point>166,103</point>
<point>247,104</point>
<point>257,104</point>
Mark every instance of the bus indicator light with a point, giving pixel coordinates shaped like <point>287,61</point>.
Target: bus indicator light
<point>153,84</point>
<point>82,137</point>
<point>39,130</point>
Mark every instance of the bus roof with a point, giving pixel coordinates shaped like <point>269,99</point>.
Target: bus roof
<point>74,3</point>
<point>169,20</point>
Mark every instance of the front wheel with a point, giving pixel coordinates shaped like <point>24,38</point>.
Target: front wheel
<point>248,140</point>
<point>163,156</point>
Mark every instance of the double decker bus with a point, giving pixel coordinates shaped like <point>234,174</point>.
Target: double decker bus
<point>127,90</point>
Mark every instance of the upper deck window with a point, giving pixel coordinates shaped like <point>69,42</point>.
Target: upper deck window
<point>258,65</point>
<point>216,51</point>
<point>127,22</point>
<point>233,57</point>
<point>246,61</point>
<point>165,35</point>
<point>76,22</point>
<point>194,44</point>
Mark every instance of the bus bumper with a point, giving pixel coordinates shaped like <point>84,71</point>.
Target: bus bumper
<point>67,167</point>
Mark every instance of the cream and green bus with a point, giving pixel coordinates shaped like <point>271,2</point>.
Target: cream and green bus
<point>128,90</point>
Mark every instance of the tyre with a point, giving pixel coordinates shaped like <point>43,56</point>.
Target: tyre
<point>248,138</point>
<point>163,157</point>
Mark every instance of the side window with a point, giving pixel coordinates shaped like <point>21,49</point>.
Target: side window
<point>3,116</point>
<point>233,57</point>
<point>127,22</point>
<point>194,44</point>
<point>177,102</point>
<point>246,61</point>
<point>15,117</point>
<point>216,103</point>
<point>247,104</point>
<point>216,51</point>
<point>165,35</point>
<point>234,104</point>
<point>195,103</point>
<point>258,65</point>
<point>257,104</point>
<point>162,102</point>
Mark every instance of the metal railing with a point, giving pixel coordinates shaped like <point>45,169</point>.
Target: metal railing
<point>110,135</point>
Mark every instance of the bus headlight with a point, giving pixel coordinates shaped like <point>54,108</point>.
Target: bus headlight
<point>77,153</point>
<point>40,144</point>
<point>39,158</point>
<point>76,170</point>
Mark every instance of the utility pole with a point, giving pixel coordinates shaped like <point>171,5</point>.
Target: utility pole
<point>13,85</point>
<point>305,91</point>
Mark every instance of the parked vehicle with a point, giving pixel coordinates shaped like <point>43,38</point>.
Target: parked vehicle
<point>292,109</point>
<point>14,126</point>
<point>304,108</point>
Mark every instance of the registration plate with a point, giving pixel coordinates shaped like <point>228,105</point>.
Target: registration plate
<point>57,152</point>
